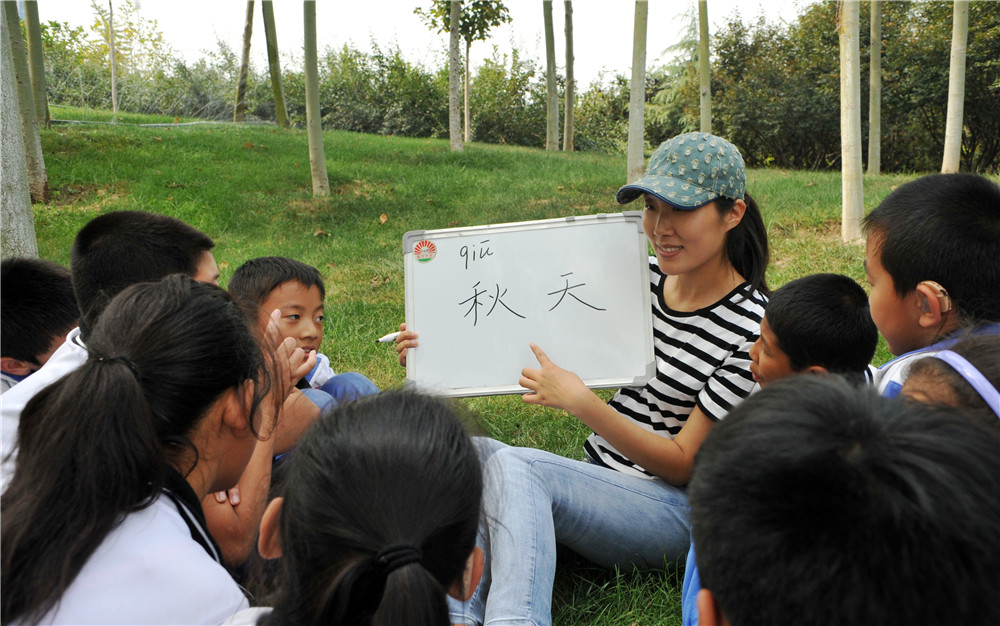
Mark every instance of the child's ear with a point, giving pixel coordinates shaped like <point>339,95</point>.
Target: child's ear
<point>709,612</point>
<point>16,367</point>
<point>463,588</point>
<point>816,369</point>
<point>269,541</point>
<point>934,303</point>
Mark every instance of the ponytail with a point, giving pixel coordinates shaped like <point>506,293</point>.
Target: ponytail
<point>746,243</point>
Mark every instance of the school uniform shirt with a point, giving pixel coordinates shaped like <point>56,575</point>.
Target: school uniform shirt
<point>320,373</point>
<point>159,566</point>
<point>9,380</point>
<point>702,359</point>
<point>67,358</point>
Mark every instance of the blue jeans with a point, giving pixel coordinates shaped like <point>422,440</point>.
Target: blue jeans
<point>339,389</point>
<point>534,499</point>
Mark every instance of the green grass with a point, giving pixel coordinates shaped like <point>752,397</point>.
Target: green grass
<point>249,188</point>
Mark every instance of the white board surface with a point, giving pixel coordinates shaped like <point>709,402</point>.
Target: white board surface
<point>577,287</point>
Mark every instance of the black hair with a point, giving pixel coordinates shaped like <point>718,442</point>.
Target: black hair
<point>119,249</point>
<point>945,228</point>
<point>824,319</point>
<point>98,444</point>
<point>983,352</point>
<point>38,306</point>
<point>257,278</point>
<point>395,468</point>
<point>746,243</point>
<point>816,502</point>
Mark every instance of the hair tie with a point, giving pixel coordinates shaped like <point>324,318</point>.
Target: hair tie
<point>397,555</point>
<point>120,358</point>
<point>972,376</point>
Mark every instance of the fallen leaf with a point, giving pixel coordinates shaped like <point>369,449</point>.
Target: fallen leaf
<point>223,264</point>
<point>560,188</point>
<point>319,232</point>
<point>382,219</point>
<point>248,145</point>
<point>158,138</point>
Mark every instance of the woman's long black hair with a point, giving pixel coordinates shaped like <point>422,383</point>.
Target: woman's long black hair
<point>97,444</point>
<point>394,469</point>
<point>746,243</point>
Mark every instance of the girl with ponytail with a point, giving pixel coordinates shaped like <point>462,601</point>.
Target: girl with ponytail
<point>377,522</point>
<point>102,522</point>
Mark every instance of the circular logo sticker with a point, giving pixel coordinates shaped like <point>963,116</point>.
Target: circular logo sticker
<point>424,251</point>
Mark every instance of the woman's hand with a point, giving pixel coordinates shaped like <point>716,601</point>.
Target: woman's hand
<point>407,339</point>
<point>553,386</point>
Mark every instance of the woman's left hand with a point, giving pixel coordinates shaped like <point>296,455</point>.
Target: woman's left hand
<point>552,385</point>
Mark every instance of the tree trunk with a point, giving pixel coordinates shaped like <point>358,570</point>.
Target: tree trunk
<point>17,228</point>
<point>637,98</point>
<point>454,78</point>
<point>704,68</point>
<point>850,122</point>
<point>239,111</point>
<point>314,128</point>
<point>38,179</point>
<point>552,93</point>
<point>274,64</point>
<point>36,64</point>
<point>570,81</point>
<point>956,88</point>
<point>875,92</point>
<point>466,116</point>
<point>114,69</point>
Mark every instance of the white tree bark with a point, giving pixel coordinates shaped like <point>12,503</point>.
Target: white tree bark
<point>36,66</point>
<point>314,127</point>
<point>568,130</point>
<point>38,178</point>
<point>637,99</point>
<point>704,68</point>
<point>454,78</point>
<point>956,88</point>
<point>240,108</point>
<point>850,122</point>
<point>274,63</point>
<point>875,92</point>
<point>552,93</point>
<point>466,113</point>
<point>114,64</point>
<point>17,226</point>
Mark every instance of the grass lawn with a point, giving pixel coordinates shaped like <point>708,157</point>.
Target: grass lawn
<point>248,187</point>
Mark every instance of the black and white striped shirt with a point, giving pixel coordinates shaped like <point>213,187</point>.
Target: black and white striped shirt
<point>702,359</point>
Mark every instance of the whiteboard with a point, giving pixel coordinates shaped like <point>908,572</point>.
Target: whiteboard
<point>578,287</point>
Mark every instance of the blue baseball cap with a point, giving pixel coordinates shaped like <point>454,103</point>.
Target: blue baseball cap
<point>689,171</point>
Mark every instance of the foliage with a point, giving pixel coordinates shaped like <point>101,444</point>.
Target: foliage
<point>508,107</point>
<point>478,17</point>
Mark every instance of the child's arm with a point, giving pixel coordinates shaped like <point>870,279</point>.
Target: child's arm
<point>670,459</point>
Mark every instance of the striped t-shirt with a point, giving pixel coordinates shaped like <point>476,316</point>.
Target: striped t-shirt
<point>702,359</point>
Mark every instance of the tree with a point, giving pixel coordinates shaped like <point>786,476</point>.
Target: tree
<point>875,91</point>
<point>850,122</point>
<point>314,128</point>
<point>454,116</point>
<point>570,82</point>
<point>38,179</point>
<point>274,63</point>
<point>114,65</point>
<point>637,99</point>
<point>477,18</point>
<point>704,68</point>
<point>552,95</point>
<point>17,228</point>
<point>956,88</point>
<point>239,110</point>
<point>36,66</point>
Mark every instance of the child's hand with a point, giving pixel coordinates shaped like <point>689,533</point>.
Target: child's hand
<point>293,363</point>
<point>552,385</point>
<point>407,339</point>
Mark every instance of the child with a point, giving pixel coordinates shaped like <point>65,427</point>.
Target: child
<point>931,260</point>
<point>817,323</point>
<point>966,376</point>
<point>297,290</point>
<point>102,519</point>
<point>627,507</point>
<point>816,502</point>
<point>383,546</point>
<point>38,311</point>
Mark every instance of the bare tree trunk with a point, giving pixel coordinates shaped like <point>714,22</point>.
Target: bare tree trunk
<point>17,228</point>
<point>956,88</point>
<point>454,78</point>
<point>274,64</point>
<point>875,92</point>
<point>38,179</point>
<point>568,130</point>
<point>704,68</point>
<point>552,94</point>
<point>467,117</point>
<point>114,70</point>
<point>239,111</point>
<point>850,122</point>
<point>637,98</point>
<point>36,64</point>
<point>314,128</point>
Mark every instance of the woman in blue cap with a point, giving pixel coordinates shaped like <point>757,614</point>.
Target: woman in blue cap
<point>627,507</point>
